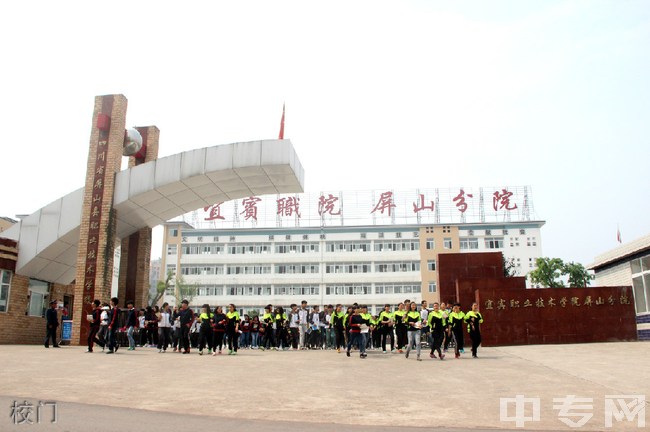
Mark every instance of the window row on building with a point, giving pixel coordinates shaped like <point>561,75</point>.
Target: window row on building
<point>307,268</point>
<point>640,268</point>
<point>283,248</point>
<point>307,289</point>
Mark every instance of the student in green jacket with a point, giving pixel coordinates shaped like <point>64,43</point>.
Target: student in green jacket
<point>386,328</point>
<point>474,319</point>
<point>437,325</point>
<point>400,326</point>
<point>266,328</point>
<point>455,322</point>
<point>232,329</point>
<point>338,324</point>
<point>414,324</point>
<point>205,331</point>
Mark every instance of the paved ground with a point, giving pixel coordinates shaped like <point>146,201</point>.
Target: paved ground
<point>315,390</point>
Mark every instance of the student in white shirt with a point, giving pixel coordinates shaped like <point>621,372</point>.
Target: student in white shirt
<point>164,328</point>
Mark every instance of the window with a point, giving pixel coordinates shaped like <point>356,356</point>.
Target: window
<point>397,288</point>
<point>641,283</point>
<point>396,245</point>
<point>259,290</point>
<point>297,268</point>
<point>433,287</point>
<point>296,290</point>
<point>404,266</point>
<point>431,265</point>
<point>447,243</point>
<point>494,242</point>
<point>5,286</point>
<point>468,243</point>
<point>172,250</point>
<point>283,248</point>
<point>431,244</point>
<point>348,268</point>
<point>348,246</point>
<point>348,289</point>
<point>173,233</point>
<point>171,269</point>
<point>38,290</point>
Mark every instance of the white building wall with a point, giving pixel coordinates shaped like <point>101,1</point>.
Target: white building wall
<point>620,275</point>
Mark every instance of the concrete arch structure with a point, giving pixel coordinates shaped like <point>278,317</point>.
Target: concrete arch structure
<point>151,193</point>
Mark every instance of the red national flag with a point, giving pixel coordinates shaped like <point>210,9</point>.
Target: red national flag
<point>281,136</point>
<point>618,235</point>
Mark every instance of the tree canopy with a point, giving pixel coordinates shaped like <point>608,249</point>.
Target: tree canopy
<point>549,273</point>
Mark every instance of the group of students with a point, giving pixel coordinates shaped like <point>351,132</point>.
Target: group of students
<point>300,328</point>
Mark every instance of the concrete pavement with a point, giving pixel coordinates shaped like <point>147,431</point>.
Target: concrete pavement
<point>321,390</point>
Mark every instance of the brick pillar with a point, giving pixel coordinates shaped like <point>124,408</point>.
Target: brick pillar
<point>135,257</point>
<point>98,219</point>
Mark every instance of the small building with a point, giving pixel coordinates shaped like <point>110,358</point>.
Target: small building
<point>629,264</point>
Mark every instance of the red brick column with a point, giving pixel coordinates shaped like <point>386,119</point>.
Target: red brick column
<point>98,219</point>
<point>135,258</point>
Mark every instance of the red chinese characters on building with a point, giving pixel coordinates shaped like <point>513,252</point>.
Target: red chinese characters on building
<point>250,207</point>
<point>326,205</point>
<point>461,205</point>
<point>215,212</point>
<point>385,202</point>
<point>422,206</point>
<point>288,206</point>
<point>501,200</point>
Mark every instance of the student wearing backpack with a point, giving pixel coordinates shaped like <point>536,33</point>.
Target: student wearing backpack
<point>245,327</point>
<point>131,323</point>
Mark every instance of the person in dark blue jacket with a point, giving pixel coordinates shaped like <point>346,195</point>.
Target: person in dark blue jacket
<point>131,324</point>
<point>52,324</point>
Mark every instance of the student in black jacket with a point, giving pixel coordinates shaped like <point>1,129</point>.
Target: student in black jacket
<point>131,323</point>
<point>52,324</point>
<point>94,326</point>
<point>187,319</point>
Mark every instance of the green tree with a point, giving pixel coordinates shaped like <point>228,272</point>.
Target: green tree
<point>161,287</point>
<point>184,291</point>
<point>509,267</point>
<point>579,276</point>
<point>547,273</point>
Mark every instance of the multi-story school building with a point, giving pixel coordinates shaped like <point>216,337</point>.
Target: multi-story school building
<point>327,248</point>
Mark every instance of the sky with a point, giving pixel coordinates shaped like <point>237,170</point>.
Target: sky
<point>400,95</point>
